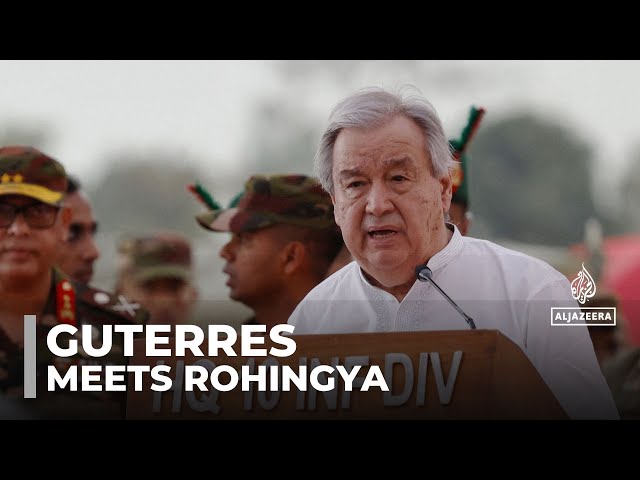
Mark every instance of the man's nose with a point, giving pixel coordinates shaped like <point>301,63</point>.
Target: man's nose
<point>379,200</point>
<point>228,251</point>
<point>91,253</point>
<point>19,226</point>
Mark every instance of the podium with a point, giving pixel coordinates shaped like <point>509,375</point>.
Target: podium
<point>435,375</point>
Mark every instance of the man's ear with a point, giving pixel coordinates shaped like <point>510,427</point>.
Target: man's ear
<point>293,257</point>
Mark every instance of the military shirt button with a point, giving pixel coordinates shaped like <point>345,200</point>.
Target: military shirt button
<point>101,298</point>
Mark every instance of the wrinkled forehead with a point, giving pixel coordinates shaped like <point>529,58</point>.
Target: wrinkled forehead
<point>398,132</point>
<point>382,148</point>
<point>370,168</point>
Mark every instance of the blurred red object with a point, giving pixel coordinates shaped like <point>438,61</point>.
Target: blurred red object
<point>621,276</point>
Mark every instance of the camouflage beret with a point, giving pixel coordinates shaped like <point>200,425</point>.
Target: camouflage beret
<point>271,200</point>
<point>27,171</point>
<point>162,255</point>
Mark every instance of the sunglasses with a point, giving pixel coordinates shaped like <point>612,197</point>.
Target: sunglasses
<point>36,215</point>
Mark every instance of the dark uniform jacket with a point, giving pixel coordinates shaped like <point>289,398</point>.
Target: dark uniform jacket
<point>76,304</point>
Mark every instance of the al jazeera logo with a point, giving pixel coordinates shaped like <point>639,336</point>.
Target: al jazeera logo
<point>583,288</point>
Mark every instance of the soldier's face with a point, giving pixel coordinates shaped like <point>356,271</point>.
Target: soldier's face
<point>79,252</point>
<point>26,253</point>
<point>254,267</point>
<point>169,301</point>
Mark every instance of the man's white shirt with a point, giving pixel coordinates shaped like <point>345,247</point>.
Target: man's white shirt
<point>499,288</point>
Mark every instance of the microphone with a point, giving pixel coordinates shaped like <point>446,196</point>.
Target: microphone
<point>424,274</point>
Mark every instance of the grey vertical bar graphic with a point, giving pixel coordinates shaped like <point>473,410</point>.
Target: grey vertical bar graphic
<point>29,356</point>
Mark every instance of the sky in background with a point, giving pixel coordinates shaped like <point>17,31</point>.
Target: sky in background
<point>97,107</point>
<point>204,107</point>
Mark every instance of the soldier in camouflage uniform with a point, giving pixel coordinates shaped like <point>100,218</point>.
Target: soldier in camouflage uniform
<point>33,223</point>
<point>156,271</point>
<point>284,238</point>
<point>459,213</point>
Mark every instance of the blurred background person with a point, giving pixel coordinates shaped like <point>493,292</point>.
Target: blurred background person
<point>606,339</point>
<point>79,252</point>
<point>156,271</point>
<point>590,257</point>
<point>459,213</point>
<point>284,238</point>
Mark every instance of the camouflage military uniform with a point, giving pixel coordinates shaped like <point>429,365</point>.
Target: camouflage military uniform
<point>77,304</point>
<point>459,212</point>
<point>161,255</point>
<point>280,199</point>
<point>297,200</point>
<point>156,270</point>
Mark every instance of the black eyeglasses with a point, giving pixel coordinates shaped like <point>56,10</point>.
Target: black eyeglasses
<point>36,215</point>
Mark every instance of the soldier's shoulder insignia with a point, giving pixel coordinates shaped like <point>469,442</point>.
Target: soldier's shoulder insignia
<point>66,301</point>
<point>119,307</point>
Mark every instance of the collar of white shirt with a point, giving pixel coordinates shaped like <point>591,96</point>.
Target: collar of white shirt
<point>449,252</point>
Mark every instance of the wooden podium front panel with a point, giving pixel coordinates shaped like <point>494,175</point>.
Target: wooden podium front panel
<point>418,367</point>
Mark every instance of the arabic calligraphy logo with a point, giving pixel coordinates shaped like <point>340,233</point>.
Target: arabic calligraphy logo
<point>583,287</point>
